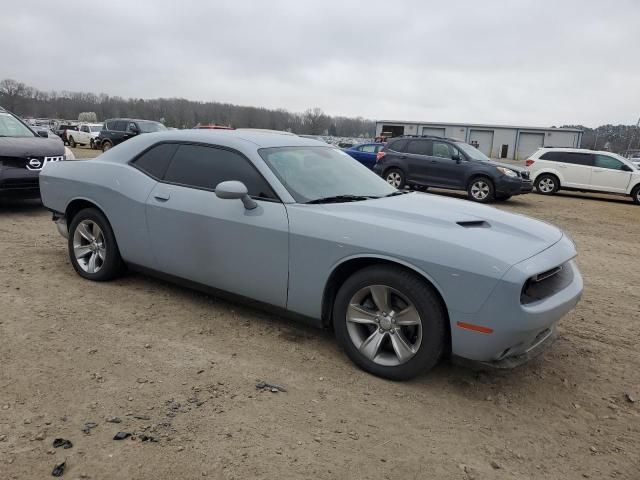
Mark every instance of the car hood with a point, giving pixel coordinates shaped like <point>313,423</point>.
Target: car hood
<point>31,146</point>
<point>510,237</point>
<point>507,165</point>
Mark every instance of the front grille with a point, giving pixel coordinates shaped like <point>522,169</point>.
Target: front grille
<point>545,284</point>
<point>36,163</point>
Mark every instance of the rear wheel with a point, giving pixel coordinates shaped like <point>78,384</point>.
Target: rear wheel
<point>481,190</point>
<point>635,194</point>
<point>547,184</point>
<point>395,177</point>
<point>106,145</point>
<point>390,322</point>
<point>93,250</point>
<point>72,142</point>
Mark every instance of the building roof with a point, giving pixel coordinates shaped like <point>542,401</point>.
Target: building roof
<point>480,125</point>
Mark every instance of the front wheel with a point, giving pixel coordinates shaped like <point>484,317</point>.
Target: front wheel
<point>72,142</point>
<point>481,190</point>
<point>395,177</point>
<point>92,145</point>
<point>106,146</point>
<point>93,250</point>
<point>390,322</point>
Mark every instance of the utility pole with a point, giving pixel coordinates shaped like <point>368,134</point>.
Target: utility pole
<point>631,136</point>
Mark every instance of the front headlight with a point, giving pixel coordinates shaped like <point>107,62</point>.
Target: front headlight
<point>507,171</point>
<point>68,154</point>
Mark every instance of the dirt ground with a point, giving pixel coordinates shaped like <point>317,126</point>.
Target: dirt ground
<point>182,367</point>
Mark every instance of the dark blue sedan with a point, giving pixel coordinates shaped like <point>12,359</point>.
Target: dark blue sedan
<point>365,153</point>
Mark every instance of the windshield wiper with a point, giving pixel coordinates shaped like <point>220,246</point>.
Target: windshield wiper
<point>341,198</point>
<point>399,192</point>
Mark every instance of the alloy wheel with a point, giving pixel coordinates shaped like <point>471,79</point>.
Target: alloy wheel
<point>546,185</point>
<point>394,178</point>
<point>89,246</point>
<point>384,325</point>
<point>480,190</point>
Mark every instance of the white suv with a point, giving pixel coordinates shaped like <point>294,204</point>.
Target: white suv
<point>553,169</point>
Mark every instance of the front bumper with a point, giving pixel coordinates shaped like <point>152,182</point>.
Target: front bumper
<point>513,185</point>
<point>515,331</point>
<point>61,224</point>
<point>19,181</point>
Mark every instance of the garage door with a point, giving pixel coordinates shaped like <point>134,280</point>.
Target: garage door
<point>528,143</point>
<point>438,132</point>
<point>482,140</point>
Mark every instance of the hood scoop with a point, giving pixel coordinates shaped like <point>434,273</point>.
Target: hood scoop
<point>474,224</point>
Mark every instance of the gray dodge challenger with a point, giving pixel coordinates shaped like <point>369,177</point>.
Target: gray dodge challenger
<point>299,226</point>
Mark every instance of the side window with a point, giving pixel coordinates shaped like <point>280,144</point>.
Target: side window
<point>585,159</point>
<point>378,148</point>
<point>605,161</point>
<point>398,146</point>
<point>204,167</point>
<point>442,150</point>
<point>120,126</point>
<point>419,147</point>
<point>368,149</point>
<point>85,128</point>
<point>154,162</point>
<point>131,127</point>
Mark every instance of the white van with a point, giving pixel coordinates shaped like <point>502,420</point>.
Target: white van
<point>553,169</point>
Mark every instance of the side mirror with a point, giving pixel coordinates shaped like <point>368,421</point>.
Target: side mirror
<point>43,133</point>
<point>235,190</point>
<point>457,158</point>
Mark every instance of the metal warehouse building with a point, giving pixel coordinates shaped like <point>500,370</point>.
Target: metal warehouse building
<point>495,141</point>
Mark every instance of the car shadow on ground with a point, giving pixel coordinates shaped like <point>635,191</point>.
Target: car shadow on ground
<point>20,205</point>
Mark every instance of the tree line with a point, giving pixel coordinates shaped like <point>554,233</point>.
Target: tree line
<point>27,101</point>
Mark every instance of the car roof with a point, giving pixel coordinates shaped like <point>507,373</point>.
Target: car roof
<point>574,150</point>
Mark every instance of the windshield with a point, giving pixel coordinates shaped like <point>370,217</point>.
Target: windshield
<point>312,173</point>
<point>95,128</point>
<point>148,127</point>
<point>12,127</point>
<point>472,152</point>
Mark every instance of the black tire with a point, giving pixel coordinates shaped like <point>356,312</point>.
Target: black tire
<point>106,145</point>
<point>112,265</point>
<point>547,184</point>
<point>72,142</point>
<point>635,194</point>
<point>481,190</point>
<point>92,145</point>
<point>396,178</point>
<point>424,299</point>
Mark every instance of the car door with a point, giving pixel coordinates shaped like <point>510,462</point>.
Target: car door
<point>216,242</point>
<point>444,171</point>
<point>417,161</point>
<point>609,174</point>
<point>83,134</point>
<point>367,155</point>
<point>574,168</point>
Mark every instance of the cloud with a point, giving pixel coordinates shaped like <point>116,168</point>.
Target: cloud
<point>524,62</point>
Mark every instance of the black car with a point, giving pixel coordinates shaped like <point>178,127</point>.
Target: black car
<point>117,130</point>
<point>23,153</point>
<point>422,162</point>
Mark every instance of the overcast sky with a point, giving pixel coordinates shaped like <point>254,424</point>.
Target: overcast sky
<point>538,62</point>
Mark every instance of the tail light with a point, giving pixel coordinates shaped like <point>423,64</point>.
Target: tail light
<point>529,162</point>
<point>380,155</point>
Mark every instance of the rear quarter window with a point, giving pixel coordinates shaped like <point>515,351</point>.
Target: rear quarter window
<point>398,146</point>
<point>155,161</point>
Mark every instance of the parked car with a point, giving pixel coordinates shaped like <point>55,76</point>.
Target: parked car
<point>365,153</point>
<point>449,163</point>
<point>554,169</point>
<point>117,130</point>
<point>61,131</point>
<point>84,135</point>
<point>23,152</point>
<point>401,277</point>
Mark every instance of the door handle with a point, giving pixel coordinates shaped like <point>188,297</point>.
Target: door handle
<point>434,161</point>
<point>162,196</point>
<point>403,157</point>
